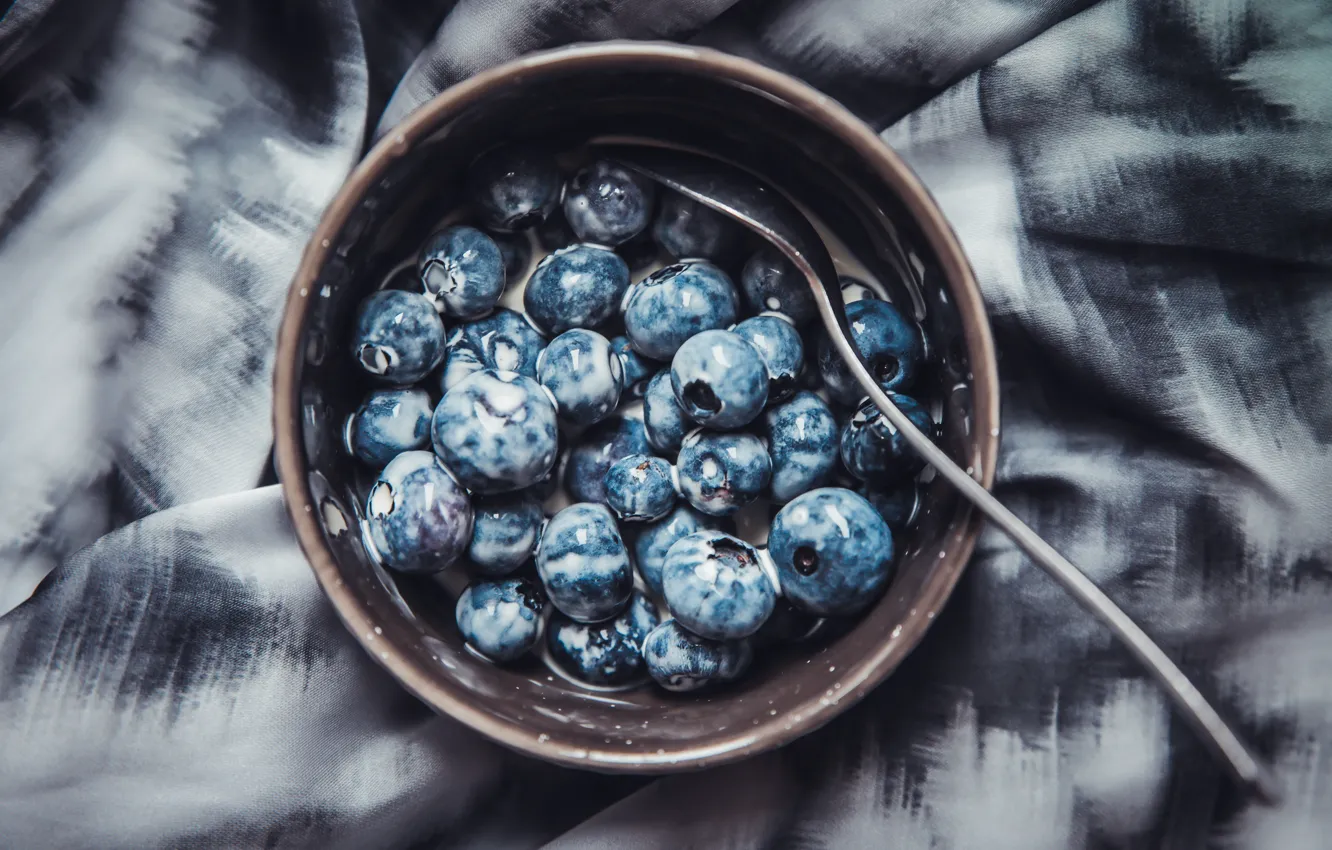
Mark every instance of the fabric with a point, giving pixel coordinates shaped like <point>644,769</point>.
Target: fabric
<point>1145,190</point>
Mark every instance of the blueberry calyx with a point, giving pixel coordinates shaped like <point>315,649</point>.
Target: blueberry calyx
<point>532,598</point>
<point>731,552</point>
<point>886,368</point>
<point>377,359</point>
<point>806,561</point>
<point>524,220</point>
<point>701,398</point>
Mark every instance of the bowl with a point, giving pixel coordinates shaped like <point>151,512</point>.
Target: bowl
<point>789,134</point>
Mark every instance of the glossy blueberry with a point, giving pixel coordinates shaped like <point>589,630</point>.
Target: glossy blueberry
<point>855,289</point>
<point>802,442</point>
<point>674,303</point>
<point>607,204</point>
<point>602,445</point>
<point>462,271</point>
<point>514,187</point>
<point>605,654</point>
<point>663,417</point>
<point>496,431</point>
<point>637,368</point>
<point>516,252</point>
<point>832,550</point>
<point>584,564</point>
<point>720,473</point>
<point>388,423</point>
<point>778,343</point>
<point>504,532</point>
<point>397,336</point>
<point>772,284</point>
<point>640,488</point>
<point>584,375</point>
<point>890,345</point>
<point>679,660</point>
<point>876,452</point>
<point>657,538</point>
<point>898,506</point>
<point>688,230</point>
<point>576,287</point>
<point>418,518</point>
<point>500,619</point>
<point>719,379</point>
<point>503,341</point>
<point>716,587</point>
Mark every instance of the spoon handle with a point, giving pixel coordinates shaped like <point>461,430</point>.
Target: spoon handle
<point>767,212</point>
<point>1247,768</point>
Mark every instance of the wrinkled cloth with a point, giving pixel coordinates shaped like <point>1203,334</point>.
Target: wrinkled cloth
<point>1145,191</point>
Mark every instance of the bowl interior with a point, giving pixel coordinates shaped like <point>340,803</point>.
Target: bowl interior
<point>730,109</point>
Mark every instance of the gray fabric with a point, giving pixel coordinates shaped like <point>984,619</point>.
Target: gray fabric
<point>1145,190</point>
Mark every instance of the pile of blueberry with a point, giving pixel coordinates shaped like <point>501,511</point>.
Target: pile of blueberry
<point>480,414</point>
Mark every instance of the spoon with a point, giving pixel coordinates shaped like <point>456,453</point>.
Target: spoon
<point>766,211</point>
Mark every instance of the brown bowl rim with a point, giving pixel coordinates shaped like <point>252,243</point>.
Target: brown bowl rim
<point>962,287</point>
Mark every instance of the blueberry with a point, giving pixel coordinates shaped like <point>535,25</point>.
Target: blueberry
<point>716,587</point>
<point>688,230</point>
<point>602,445</point>
<point>855,289</point>
<point>608,204</point>
<point>504,532</point>
<point>584,565</point>
<point>674,303</point>
<point>898,506</point>
<point>576,287</point>
<point>503,341</point>
<point>496,431</point>
<point>663,418</point>
<point>397,336</point>
<point>802,442</point>
<point>637,368</point>
<point>500,619</point>
<point>778,343</point>
<point>514,187</point>
<point>876,452</point>
<point>890,345</point>
<point>606,654</point>
<point>417,516</point>
<point>772,284</point>
<point>516,252</point>
<point>720,473</point>
<point>679,660</point>
<point>640,488</point>
<point>583,374</point>
<point>832,550</point>
<point>388,423</point>
<point>657,538</point>
<point>462,271</point>
<point>719,379</point>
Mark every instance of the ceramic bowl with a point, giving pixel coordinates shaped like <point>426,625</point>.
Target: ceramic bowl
<point>789,134</point>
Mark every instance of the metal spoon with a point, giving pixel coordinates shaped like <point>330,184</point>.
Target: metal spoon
<point>766,211</point>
